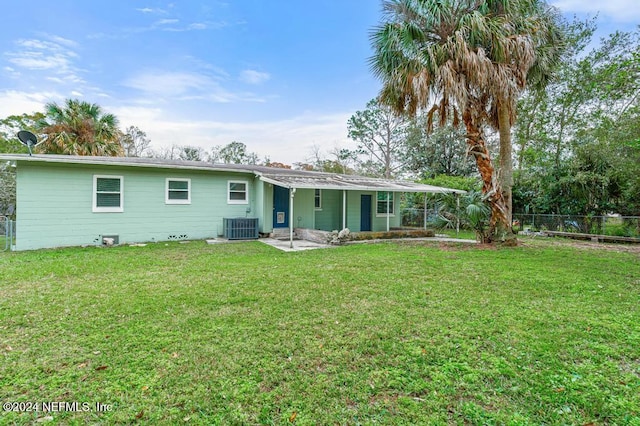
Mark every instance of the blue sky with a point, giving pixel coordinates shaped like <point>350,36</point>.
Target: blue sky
<point>279,76</point>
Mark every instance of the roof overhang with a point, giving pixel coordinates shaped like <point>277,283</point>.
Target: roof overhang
<point>298,179</point>
<point>123,162</point>
<point>352,183</point>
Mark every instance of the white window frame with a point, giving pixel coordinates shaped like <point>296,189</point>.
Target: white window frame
<point>246,192</point>
<point>392,199</point>
<point>95,207</point>
<point>167,200</point>
<point>319,197</point>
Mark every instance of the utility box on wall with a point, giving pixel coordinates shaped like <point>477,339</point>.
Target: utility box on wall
<point>241,228</point>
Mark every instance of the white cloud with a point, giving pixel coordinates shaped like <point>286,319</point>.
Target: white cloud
<point>53,55</point>
<point>184,85</point>
<point>61,40</point>
<point>40,55</point>
<point>151,10</point>
<point>197,26</point>
<point>170,84</point>
<point>11,72</point>
<point>77,94</point>
<point>288,140</point>
<point>166,21</point>
<point>618,10</point>
<point>254,77</point>
<point>13,102</point>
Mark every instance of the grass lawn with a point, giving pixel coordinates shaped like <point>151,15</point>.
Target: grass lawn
<point>464,234</point>
<point>391,333</point>
<point>3,243</point>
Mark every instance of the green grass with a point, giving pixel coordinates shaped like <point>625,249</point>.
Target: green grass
<point>463,234</point>
<point>3,243</point>
<point>391,333</point>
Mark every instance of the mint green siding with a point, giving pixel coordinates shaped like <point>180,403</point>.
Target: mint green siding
<point>267,207</point>
<point>303,208</point>
<point>329,218</point>
<point>303,215</point>
<point>55,205</point>
<point>55,201</point>
<point>379,222</point>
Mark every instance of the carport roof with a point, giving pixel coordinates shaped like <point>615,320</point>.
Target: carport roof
<point>299,179</point>
<point>349,183</point>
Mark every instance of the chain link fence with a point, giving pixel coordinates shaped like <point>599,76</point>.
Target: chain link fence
<point>7,233</point>
<point>614,225</point>
<point>416,218</point>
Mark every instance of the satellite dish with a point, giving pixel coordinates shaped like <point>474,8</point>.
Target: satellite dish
<point>28,139</point>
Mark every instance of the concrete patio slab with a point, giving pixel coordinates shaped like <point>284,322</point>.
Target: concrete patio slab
<point>301,245</point>
<point>298,245</point>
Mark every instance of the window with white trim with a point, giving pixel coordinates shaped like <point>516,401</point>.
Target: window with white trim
<point>178,191</point>
<point>108,194</point>
<point>318,199</point>
<point>382,198</point>
<point>238,192</point>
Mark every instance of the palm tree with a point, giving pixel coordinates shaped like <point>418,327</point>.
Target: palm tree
<point>468,60</point>
<point>80,128</point>
<point>466,210</point>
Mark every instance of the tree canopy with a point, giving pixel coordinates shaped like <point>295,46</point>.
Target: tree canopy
<point>576,142</point>
<point>79,128</point>
<point>469,60</point>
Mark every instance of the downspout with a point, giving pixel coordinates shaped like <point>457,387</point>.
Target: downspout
<point>291,216</point>
<point>344,208</point>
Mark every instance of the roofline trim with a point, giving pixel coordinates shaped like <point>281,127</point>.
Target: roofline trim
<point>356,187</point>
<point>347,182</point>
<point>92,161</point>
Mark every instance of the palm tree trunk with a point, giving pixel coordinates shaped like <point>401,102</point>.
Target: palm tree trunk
<point>505,179</point>
<point>491,190</point>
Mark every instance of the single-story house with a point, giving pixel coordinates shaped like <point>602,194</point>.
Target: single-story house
<point>73,200</point>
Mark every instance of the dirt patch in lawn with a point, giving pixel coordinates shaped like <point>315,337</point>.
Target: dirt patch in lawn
<point>531,242</point>
<point>583,245</point>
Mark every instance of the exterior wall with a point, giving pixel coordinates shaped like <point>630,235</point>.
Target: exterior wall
<point>303,209</point>
<point>329,218</point>
<point>378,222</point>
<point>258,206</point>
<point>55,201</point>
<point>267,208</point>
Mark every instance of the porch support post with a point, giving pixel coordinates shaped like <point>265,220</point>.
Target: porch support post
<point>457,214</point>
<point>344,208</point>
<point>292,191</point>
<point>388,209</point>
<point>424,220</point>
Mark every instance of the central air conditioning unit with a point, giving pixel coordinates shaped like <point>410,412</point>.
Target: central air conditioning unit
<point>241,228</point>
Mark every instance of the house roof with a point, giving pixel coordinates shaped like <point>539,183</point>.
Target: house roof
<point>300,179</point>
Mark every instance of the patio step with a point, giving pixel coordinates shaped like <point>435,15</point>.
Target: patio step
<point>282,234</point>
